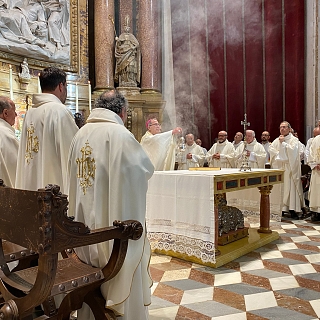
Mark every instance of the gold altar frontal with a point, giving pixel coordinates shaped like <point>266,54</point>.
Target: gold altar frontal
<point>231,251</point>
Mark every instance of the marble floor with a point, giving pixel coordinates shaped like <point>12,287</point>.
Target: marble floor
<point>278,281</point>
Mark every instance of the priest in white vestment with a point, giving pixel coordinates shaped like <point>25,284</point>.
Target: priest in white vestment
<point>222,153</point>
<point>238,140</point>
<point>117,177</point>
<point>265,136</point>
<point>160,146</point>
<point>9,143</point>
<point>254,150</point>
<point>285,154</point>
<point>314,189</point>
<point>47,132</point>
<point>192,156</point>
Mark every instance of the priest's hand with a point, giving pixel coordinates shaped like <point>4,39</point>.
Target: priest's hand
<point>317,167</point>
<point>177,130</point>
<point>216,156</point>
<point>189,156</point>
<point>281,138</point>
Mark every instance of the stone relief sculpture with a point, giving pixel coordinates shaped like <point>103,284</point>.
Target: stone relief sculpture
<point>128,58</point>
<point>36,28</point>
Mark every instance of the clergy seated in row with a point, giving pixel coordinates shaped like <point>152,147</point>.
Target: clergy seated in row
<point>9,144</point>
<point>253,150</point>
<point>109,172</point>
<point>47,131</point>
<point>160,146</point>
<point>222,153</point>
<point>192,156</point>
<point>285,154</point>
<point>314,163</point>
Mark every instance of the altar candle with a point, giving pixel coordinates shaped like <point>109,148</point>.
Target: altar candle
<point>10,82</point>
<point>39,87</point>
<point>77,96</point>
<point>89,88</point>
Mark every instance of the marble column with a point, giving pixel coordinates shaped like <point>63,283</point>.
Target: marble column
<point>126,9</point>
<point>148,37</point>
<point>265,209</point>
<point>104,44</point>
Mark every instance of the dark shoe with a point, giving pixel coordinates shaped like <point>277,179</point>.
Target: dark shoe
<point>305,213</point>
<point>294,215</point>
<point>315,216</point>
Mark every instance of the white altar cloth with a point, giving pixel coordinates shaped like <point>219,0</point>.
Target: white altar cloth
<point>180,210</point>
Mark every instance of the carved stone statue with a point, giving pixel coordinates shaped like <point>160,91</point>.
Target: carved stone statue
<point>25,74</point>
<point>128,58</point>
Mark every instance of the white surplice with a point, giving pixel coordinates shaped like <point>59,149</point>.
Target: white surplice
<point>112,186</point>
<point>9,146</point>
<point>47,132</point>
<point>314,189</point>
<point>196,160</point>
<point>286,155</point>
<point>161,149</point>
<point>257,156</point>
<point>227,154</point>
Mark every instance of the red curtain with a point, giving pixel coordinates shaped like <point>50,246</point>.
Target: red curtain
<point>236,57</point>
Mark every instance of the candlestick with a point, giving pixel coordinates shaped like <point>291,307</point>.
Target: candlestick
<point>89,88</point>
<point>10,82</point>
<point>77,96</point>
<point>39,87</point>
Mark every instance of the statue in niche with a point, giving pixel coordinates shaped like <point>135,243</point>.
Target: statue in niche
<point>128,58</point>
<point>24,74</point>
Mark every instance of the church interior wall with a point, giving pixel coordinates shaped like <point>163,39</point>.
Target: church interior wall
<point>237,57</point>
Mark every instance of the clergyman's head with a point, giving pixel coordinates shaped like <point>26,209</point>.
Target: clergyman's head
<point>250,135</point>
<point>7,110</point>
<point>114,101</point>
<point>190,139</point>
<point>285,128</point>
<point>265,136</point>
<point>153,126</point>
<point>222,136</point>
<point>54,80</point>
<point>238,137</point>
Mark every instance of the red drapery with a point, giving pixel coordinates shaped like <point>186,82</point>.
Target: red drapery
<point>236,57</point>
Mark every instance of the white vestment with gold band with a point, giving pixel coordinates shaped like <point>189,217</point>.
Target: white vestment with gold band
<point>109,173</point>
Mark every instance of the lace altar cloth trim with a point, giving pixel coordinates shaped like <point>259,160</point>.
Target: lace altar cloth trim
<point>179,225</point>
<point>203,250</point>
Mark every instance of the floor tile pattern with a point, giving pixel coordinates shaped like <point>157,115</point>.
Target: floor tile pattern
<point>278,281</point>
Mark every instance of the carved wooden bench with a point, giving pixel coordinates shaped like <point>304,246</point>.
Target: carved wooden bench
<point>36,223</point>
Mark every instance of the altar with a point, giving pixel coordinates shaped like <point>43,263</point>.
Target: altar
<point>181,216</point>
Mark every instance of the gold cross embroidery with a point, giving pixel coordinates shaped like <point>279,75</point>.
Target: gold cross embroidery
<point>32,143</point>
<point>86,168</point>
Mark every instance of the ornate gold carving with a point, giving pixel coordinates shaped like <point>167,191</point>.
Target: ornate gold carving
<point>32,143</point>
<point>266,190</point>
<point>86,168</point>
